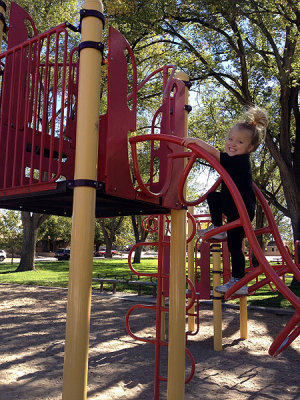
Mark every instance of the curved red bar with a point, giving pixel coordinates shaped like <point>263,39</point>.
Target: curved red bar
<point>154,275</point>
<point>286,336</point>
<point>194,228</point>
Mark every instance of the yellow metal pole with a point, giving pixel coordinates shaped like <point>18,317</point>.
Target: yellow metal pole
<point>217,299</point>
<point>243,318</point>
<point>81,262</point>
<point>2,11</point>
<point>191,268</point>
<point>176,358</point>
<point>176,347</point>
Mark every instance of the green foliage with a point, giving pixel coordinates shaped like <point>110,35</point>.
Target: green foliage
<point>125,235</point>
<point>48,13</point>
<point>56,229</point>
<point>11,230</point>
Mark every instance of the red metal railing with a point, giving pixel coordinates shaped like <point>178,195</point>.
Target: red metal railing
<point>36,89</point>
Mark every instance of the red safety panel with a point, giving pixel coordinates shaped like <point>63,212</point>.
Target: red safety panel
<point>120,119</point>
<point>18,31</point>
<point>177,127</point>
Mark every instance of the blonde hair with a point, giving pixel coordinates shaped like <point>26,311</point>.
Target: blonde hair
<point>256,121</point>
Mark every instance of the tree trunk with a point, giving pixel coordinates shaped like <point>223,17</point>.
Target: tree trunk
<point>109,233</point>
<point>137,255</point>
<point>140,235</point>
<point>12,255</point>
<point>108,248</point>
<point>31,223</point>
<point>259,223</point>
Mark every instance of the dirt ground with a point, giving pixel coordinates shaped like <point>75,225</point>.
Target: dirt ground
<point>32,333</point>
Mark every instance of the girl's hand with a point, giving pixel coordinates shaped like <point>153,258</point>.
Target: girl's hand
<point>189,140</point>
<point>205,146</point>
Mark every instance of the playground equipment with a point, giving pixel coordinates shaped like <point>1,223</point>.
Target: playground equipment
<point>60,157</point>
<point>38,124</point>
<point>274,275</point>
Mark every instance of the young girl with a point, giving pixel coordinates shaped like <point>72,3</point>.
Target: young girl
<point>242,139</point>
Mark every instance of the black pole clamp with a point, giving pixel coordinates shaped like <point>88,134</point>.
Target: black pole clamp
<point>188,108</point>
<point>91,13</point>
<point>89,44</point>
<point>217,272</point>
<point>71,184</point>
<point>72,27</point>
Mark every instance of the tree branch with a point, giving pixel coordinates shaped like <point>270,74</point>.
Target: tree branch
<point>215,74</point>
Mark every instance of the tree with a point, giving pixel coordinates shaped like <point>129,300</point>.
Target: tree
<point>56,229</point>
<point>31,223</point>
<point>99,238</point>
<point>124,236</point>
<point>140,236</point>
<point>11,231</point>
<point>49,13</point>
<point>110,227</point>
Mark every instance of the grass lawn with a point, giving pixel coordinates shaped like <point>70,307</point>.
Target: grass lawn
<point>56,273</point>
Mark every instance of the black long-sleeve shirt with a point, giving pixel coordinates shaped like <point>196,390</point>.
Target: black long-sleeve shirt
<point>239,168</point>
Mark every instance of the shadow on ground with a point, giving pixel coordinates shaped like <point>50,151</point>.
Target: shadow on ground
<point>32,334</point>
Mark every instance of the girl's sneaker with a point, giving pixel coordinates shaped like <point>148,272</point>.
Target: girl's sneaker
<point>218,236</point>
<point>243,291</point>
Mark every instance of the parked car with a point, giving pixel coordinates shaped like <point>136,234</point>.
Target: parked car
<point>101,253</point>
<point>2,255</point>
<point>62,254</point>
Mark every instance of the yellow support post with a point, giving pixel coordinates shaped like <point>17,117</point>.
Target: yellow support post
<point>217,298</point>
<point>176,350</point>
<point>2,11</point>
<point>191,268</point>
<point>243,318</point>
<point>82,242</point>
<point>177,291</point>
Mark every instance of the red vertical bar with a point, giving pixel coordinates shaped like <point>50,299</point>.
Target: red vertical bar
<point>18,116</point>
<point>3,85</point>
<point>165,76</point>
<point>6,166</point>
<point>54,103</point>
<point>63,94</point>
<point>35,107</point>
<point>45,110</point>
<point>28,95</point>
<point>62,122</point>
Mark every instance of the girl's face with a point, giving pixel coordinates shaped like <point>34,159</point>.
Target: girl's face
<point>238,142</point>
